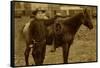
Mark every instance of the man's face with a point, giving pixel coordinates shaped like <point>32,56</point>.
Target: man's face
<point>40,15</point>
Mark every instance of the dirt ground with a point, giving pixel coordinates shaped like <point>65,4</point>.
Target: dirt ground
<point>83,48</point>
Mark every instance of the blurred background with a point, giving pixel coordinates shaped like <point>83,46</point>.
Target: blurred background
<point>26,9</point>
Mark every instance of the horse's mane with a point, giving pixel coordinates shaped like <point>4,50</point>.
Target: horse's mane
<point>77,17</point>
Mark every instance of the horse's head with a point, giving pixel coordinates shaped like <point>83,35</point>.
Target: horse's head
<point>87,19</point>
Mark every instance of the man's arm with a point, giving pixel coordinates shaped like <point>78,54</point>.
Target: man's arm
<point>50,21</point>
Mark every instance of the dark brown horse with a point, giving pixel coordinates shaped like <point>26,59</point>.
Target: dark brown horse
<point>68,28</point>
<point>35,33</point>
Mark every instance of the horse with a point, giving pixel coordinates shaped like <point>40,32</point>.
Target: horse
<point>35,34</point>
<point>65,35</point>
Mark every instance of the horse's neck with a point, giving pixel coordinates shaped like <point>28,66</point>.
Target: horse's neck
<point>73,23</point>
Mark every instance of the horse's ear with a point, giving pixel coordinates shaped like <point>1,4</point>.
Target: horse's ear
<point>55,12</point>
<point>85,10</point>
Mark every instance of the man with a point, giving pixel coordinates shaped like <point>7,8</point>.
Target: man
<point>35,34</point>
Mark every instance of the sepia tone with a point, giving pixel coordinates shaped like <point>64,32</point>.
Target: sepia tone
<point>83,48</point>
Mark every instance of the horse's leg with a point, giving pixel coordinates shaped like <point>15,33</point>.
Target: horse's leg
<point>53,48</point>
<point>65,52</point>
<point>38,54</point>
<point>27,51</point>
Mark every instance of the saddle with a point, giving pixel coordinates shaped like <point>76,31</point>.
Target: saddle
<point>58,28</point>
